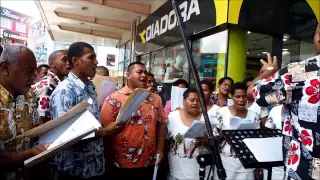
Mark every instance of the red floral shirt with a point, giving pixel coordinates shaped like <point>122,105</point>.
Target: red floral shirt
<point>135,146</point>
<point>298,87</point>
<point>43,90</point>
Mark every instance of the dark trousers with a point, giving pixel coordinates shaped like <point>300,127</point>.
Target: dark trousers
<point>131,173</point>
<point>67,177</point>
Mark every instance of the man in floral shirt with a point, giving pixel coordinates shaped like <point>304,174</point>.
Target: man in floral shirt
<point>59,68</point>
<point>133,151</point>
<point>17,111</point>
<point>298,87</point>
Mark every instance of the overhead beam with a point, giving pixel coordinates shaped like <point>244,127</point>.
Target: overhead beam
<point>140,8</point>
<point>94,20</point>
<point>105,34</point>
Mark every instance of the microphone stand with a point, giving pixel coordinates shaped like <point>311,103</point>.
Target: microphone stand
<point>213,142</point>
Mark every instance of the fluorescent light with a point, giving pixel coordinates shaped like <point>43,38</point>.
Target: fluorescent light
<point>249,32</point>
<point>264,52</point>
<point>285,39</point>
<point>248,53</point>
<point>284,49</point>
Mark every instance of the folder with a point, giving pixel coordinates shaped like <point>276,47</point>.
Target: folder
<point>135,99</point>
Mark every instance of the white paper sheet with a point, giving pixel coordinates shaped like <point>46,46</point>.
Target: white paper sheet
<point>239,123</point>
<point>107,88</point>
<point>132,104</point>
<point>197,129</point>
<point>229,102</point>
<point>70,129</point>
<point>265,149</point>
<point>177,97</point>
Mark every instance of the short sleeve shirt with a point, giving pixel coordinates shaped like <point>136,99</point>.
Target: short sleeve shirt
<point>43,90</point>
<point>135,146</point>
<point>16,117</point>
<point>297,86</point>
<point>86,158</point>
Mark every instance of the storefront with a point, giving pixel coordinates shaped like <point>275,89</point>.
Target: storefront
<point>14,27</point>
<point>228,38</point>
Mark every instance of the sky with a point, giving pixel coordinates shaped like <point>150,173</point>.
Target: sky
<point>27,7</point>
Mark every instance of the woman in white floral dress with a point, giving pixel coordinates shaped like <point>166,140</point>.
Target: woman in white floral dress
<point>231,163</point>
<point>183,151</point>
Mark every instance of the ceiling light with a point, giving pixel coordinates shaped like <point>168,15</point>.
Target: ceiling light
<point>264,52</point>
<point>258,54</point>
<point>284,49</point>
<point>248,53</point>
<point>284,39</point>
<point>249,32</point>
<point>84,8</point>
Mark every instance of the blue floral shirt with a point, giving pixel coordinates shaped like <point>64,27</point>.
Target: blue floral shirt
<point>84,159</point>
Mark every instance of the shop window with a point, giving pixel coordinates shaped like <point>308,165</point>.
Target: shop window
<point>210,55</point>
<point>120,74</point>
<point>21,28</point>
<point>122,51</point>
<point>258,46</point>
<point>125,69</point>
<point>128,52</point>
<point>145,59</point>
<point>158,66</point>
<point>295,50</point>
<point>6,23</point>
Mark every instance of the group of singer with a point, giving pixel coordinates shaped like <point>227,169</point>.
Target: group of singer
<point>286,99</point>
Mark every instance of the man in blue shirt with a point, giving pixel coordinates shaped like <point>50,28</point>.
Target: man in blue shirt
<point>84,159</point>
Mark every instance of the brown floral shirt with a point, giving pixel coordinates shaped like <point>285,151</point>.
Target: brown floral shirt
<point>16,116</point>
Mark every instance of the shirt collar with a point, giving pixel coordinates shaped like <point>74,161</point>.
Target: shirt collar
<point>6,97</point>
<point>125,90</point>
<point>78,81</point>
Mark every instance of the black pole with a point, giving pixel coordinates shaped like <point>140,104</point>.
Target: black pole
<point>212,140</point>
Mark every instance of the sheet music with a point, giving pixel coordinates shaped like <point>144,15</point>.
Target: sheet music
<point>132,104</point>
<point>197,129</point>
<point>265,149</point>
<point>70,129</point>
<point>177,97</point>
<point>239,123</point>
<point>107,88</point>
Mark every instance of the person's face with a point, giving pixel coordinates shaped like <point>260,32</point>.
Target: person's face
<point>240,98</point>
<point>152,84</point>
<point>224,88</point>
<point>22,74</point>
<point>206,91</point>
<point>42,73</point>
<point>137,77</point>
<point>87,63</point>
<point>192,104</point>
<point>182,86</point>
<point>316,40</point>
<point>60,63</point>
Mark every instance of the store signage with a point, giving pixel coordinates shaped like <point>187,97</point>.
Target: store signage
<point>7,13</point>
<point>161,27</point>
<point>169,21</point>
<point>14,35</point>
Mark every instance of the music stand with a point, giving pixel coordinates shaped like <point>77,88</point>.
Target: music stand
<point>246,157</point>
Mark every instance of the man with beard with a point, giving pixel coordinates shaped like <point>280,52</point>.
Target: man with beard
<point>132,152</point>
<point>18,112</point>
<point>59,69</point>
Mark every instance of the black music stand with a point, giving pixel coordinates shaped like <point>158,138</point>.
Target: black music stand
<point>247,159</point>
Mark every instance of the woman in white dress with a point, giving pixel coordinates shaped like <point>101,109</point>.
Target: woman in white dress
<point>183,151</point>
<point>207,87</point>
<point>232,165</point>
